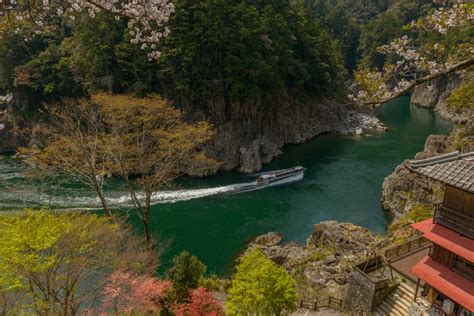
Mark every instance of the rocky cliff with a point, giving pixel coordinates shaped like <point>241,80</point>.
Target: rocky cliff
<point>433,94</point>
<point>402,190</point>
<point>9,138</point>
<point>251,134</point>
<point>321,267</point>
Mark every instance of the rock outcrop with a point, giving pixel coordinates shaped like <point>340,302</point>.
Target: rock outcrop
<point>323,264</point>
<point>403,189</point>
<point>433,94</point>
<point>251,134</point>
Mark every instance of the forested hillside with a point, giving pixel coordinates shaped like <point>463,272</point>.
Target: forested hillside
<point>235,50</point>
<point>244,66</point>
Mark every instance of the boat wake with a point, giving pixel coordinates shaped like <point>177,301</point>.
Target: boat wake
<point>73,199</point>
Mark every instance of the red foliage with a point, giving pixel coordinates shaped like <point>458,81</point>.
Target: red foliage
<point>129,293</point>
<point>201,303</point>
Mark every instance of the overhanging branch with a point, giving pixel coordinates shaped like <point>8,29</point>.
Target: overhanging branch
<point>459,66</point>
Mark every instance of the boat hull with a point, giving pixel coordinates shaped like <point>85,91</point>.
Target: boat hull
<point>255,185</point>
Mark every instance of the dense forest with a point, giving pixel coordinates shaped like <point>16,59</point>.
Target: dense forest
<point>225,49</point>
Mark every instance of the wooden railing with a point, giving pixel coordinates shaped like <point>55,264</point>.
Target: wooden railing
<point>400,251</point>
<point>455,220</point>
<point>328,302</point>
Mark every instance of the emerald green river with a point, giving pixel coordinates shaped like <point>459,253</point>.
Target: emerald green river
<point>343,182</point>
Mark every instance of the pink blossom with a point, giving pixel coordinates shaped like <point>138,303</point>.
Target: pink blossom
<point>128,293</point>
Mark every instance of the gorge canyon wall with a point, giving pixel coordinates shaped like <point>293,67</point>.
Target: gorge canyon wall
<point>251,134</point>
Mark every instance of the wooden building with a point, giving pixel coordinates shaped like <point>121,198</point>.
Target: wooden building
<point>448,271</point>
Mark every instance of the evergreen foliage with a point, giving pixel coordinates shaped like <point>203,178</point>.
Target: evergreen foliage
<point>261,287</point>
<point>185,274</point>
<point>232,50</point>
<point>239,50</point>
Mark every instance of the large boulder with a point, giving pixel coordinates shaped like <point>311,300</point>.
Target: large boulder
<point>344,237</point>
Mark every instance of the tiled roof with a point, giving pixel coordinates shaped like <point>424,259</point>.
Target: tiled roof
<point>454,169</point>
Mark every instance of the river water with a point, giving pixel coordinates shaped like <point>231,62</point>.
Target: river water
<point>343,182</point>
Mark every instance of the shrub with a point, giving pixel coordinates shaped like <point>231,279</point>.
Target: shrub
<point>261,287</point>
<point>185,274</point>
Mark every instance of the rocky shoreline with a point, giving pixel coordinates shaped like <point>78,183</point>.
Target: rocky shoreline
<point>402,190</point>
<point>249,135</point>
<point>252,134</point>
<point>321,267</point>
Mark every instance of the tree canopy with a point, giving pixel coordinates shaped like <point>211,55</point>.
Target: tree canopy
<point>54,264</point>
<point>215,49</point>
<point>260,287</point>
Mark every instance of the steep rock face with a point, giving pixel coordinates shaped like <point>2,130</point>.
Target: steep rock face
<point>251,134</point>
<point>323,265</point>
<point>403,189</point>
<point>433,94</point>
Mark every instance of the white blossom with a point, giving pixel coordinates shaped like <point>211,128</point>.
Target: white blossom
<point>5,99</point>
<point>147,19</point>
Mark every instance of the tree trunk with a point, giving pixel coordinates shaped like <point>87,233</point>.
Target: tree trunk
<point>102,199</point>
<point>146,223</point>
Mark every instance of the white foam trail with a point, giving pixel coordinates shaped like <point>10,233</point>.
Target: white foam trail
<point>73,201</point>
<point>180,195</point>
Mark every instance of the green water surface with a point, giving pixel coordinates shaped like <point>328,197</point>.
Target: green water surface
<point>343,183</point>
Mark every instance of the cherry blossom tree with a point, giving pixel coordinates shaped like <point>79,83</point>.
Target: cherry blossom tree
<point>416,64</point>
<point>201,303</point>
<point>128,293</point>
<point>146,19</point>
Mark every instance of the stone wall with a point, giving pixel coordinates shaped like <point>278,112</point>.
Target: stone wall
<point>360,293</point>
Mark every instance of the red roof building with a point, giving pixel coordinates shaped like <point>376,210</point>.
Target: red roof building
<point>448,270</point>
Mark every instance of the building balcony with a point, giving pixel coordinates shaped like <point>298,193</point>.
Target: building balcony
<point>453,285</point>
<point>455,220</point>
<point>455,242</point>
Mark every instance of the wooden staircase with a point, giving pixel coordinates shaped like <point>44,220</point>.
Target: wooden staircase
<point>397,303</point>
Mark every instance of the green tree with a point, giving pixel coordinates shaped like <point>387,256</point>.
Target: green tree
<point>56,263</point>
<point>185,274</point>
<point>387,26</point>
<point>241,50</point>
<point>261,287</point>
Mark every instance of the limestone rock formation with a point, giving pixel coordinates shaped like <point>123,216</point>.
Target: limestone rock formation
<point>251,134</point>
